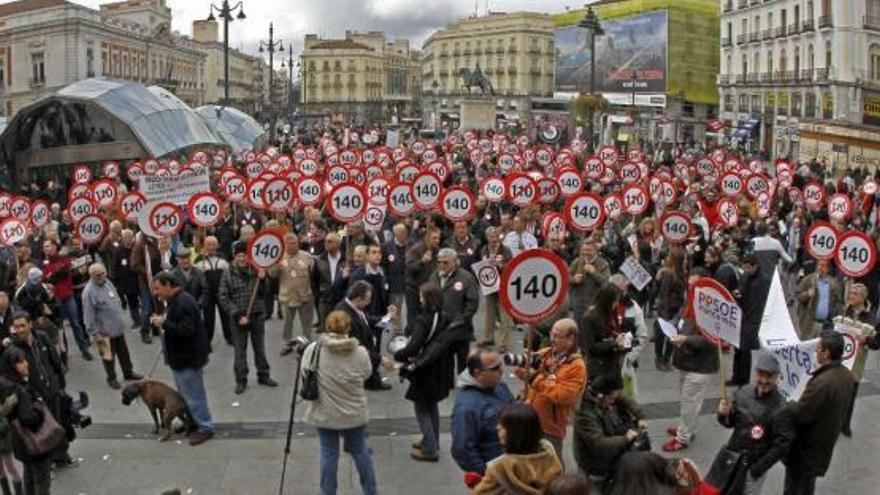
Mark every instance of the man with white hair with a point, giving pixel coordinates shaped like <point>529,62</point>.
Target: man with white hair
<point>106,320</point>
<point>461,300</point>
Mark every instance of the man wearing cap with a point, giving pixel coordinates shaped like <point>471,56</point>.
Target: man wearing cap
<point>193,279</point>
<point>762,430</point>
<point>756,287</point>
<point>236,293</point>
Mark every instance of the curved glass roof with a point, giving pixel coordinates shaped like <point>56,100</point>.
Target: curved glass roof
<point>238,129</point>
<point>160,121</point>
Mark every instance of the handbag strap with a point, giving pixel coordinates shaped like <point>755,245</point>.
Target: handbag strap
<point>315,361</point>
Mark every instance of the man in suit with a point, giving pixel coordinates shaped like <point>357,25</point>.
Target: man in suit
<point>329,276</point>
<point>461,299</point>
<point>363,328</point>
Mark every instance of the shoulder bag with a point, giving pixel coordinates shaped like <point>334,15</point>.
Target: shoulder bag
<point>48,437</point>
<point>309,390</point>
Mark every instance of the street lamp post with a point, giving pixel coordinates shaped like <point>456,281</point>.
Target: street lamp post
<point>289,78</point>
<point>434,102</point>
<point>635,109</point>
<point>591,23</point>
<point>225,13</point>
<point>271,46</point>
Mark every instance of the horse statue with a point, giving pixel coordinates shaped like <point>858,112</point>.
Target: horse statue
<point>477,79</point>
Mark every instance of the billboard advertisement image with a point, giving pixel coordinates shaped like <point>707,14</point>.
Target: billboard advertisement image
<point>636,44</point>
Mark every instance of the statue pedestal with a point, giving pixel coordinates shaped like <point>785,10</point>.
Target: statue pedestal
<point>477,114</point>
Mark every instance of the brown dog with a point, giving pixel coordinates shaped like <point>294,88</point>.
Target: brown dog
<point>163,402</point>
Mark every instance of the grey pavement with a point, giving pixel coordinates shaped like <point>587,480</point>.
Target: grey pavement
<point>121,456</point>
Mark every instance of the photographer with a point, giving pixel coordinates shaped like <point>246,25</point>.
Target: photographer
<point>430,369</point>
<point>607,425</point>
<point>558,382</point>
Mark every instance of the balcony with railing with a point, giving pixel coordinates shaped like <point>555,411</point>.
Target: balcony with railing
<point>511,70</point>
<point>808,25</point>
<point>754,37</point>
<point>36,82</point>
<point>723,79</point>
<point>767,77</point>
<point>806,75</point>
<point>768,34</point>
<point>740,78</point>
<point>754,2</point>
<point>511,49</point>
<point>753,78</point>
<point>779,32</point>
<point>794,28</point>
<point>823,74</point>
<point>740,39</point>
<point>725,42</point>
<point>742,4</point>
<point>826,21</point>
<point>728,6</point>
<point>871,22</point>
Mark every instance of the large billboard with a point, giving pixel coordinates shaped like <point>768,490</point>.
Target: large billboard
<point>636,44</point>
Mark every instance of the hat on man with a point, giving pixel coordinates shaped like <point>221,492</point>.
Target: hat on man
<point>35,275</point>
<point>768,364</point>
<point>183,251</point>
<point>238,247</point>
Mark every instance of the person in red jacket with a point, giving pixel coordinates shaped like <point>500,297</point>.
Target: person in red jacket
<point>57,271</point>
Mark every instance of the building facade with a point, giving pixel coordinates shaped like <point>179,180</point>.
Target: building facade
<point>656,64</point>
<point>245,88</point>
<point>362,76</point>
<point>787,62</point>
<point>48,44</point>
<point>515,52</point>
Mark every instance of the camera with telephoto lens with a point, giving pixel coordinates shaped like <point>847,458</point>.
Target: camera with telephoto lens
<point>522,360</point>
<point>299,345</point>
<point>642,443</point>
<point>77,418</point>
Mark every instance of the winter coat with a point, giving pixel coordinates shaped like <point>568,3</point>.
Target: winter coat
<point>762,428</point>
<point>343,365</point>
<point>583,293</point>
<point>124,278</point>
<point>381,297</point>
<point>474,418</point>
<point>433,375</point>
<point>294,279</point>
<point>671,296</point>
<point>696,354</point>
<point>556,390</point>
<point>520,474</point>
<point>193,282</point>
<point>393,263</point>
<point>808,305</point>
<point>461,299</point>
<point>45,369</point>
<point>185,338</point>
<point>600,435</point>
<point>25,412</point>
<point>818,418</point>
<point>236,288</point>
<point>596,341</point>
<point>755,291</point>
<point>102,310</point>
<point>416,271</point>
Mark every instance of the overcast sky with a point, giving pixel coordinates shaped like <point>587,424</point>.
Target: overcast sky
<point>413,19</point>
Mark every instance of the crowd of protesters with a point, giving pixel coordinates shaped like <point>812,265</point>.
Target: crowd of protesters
<point>348,289</point>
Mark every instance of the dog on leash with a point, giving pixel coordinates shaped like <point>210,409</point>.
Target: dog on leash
<point>164,404</point>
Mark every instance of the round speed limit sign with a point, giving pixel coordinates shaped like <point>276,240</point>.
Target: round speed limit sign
<point>165,219</point>
<point>204,209</point>
<point>675,226</point>
<point>728,211</point>
<point>821,240</point>
<point>856,254</point>
<point>265,249</point>
<point>347,202</point>
<point>400,200</point>
<point>839,207</point>
<point>374,217</point>
<point>308,191</point>
<point>814,194</point>
<point>91,229</point>
<point>583,212</point>
<point>39,213</point>
<point>635,199</point>
<point>522,189</point>
<point>79,208</point>
<point>235,188</point>
<point>534,285</point>
<point>131,205</point>
<point>458,204</point>
<point>12,231</point>
<point>426,190</point>
<point>278,195</point>
<point>494,189</point>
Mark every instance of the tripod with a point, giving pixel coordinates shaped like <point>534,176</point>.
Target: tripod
<point>290,422</point>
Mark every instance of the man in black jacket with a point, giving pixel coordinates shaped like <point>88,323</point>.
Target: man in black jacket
<point>212,266</point>
<point>421,261</point>
<point>393,263</point>
<point>363,328</point>
<point>186,350</point>
<point>329,277</point>
<point>756,287</point>
<point>762,428</point>
<point>461,300</point>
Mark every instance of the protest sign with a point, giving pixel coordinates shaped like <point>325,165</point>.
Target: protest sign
<point>173,189</point>
<point>635,273</point>
<point>487,276</point>
<point>716,311</point>
<point>798,361</point>
<point>777,329</point>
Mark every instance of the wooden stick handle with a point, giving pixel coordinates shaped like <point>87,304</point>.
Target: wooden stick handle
<point>253,298</point>
<point>721,373</point>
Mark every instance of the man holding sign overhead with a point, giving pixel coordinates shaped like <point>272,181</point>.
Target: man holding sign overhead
<point>246,312</point>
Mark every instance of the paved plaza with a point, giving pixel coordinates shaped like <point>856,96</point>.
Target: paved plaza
<point>121,456</point>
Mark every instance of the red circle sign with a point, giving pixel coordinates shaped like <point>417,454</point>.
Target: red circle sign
<point>347,202</point>
<point>265,249</point>
<point>91,229</point>
<point>131,204</point>
<point>12,231</point>
<point>856,254</point>
<point>458,204</point>
<point>534,285</point>
<point>675,226</point>
<point>400,200</point>
<point>820,240</point>
<point>583,212</point>
<point>165,219</point>
<point>204,209</point>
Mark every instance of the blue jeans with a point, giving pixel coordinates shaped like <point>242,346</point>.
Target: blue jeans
<point>356,445</point>
<point>71,314</point>
<point>428,416</point>
<point>191,385</point>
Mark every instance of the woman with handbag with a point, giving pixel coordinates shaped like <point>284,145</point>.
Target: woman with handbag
<point>430,369</point>
<point>339,365</point>
<point>35,433</point>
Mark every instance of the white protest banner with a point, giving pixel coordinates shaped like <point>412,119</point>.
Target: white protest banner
<point>798,361</point>
<point>777,329</point>
<point>487,275</point>
<point>635,273</point>
<point>716,311</point>
<point>173,189</point>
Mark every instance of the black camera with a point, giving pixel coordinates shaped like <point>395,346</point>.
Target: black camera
<point>77,405</point>
<point>522,360</point>
<point>642,443</point>
<point>299,345</point>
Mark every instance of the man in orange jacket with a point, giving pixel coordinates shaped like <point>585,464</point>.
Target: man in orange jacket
<point>556,381</point>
